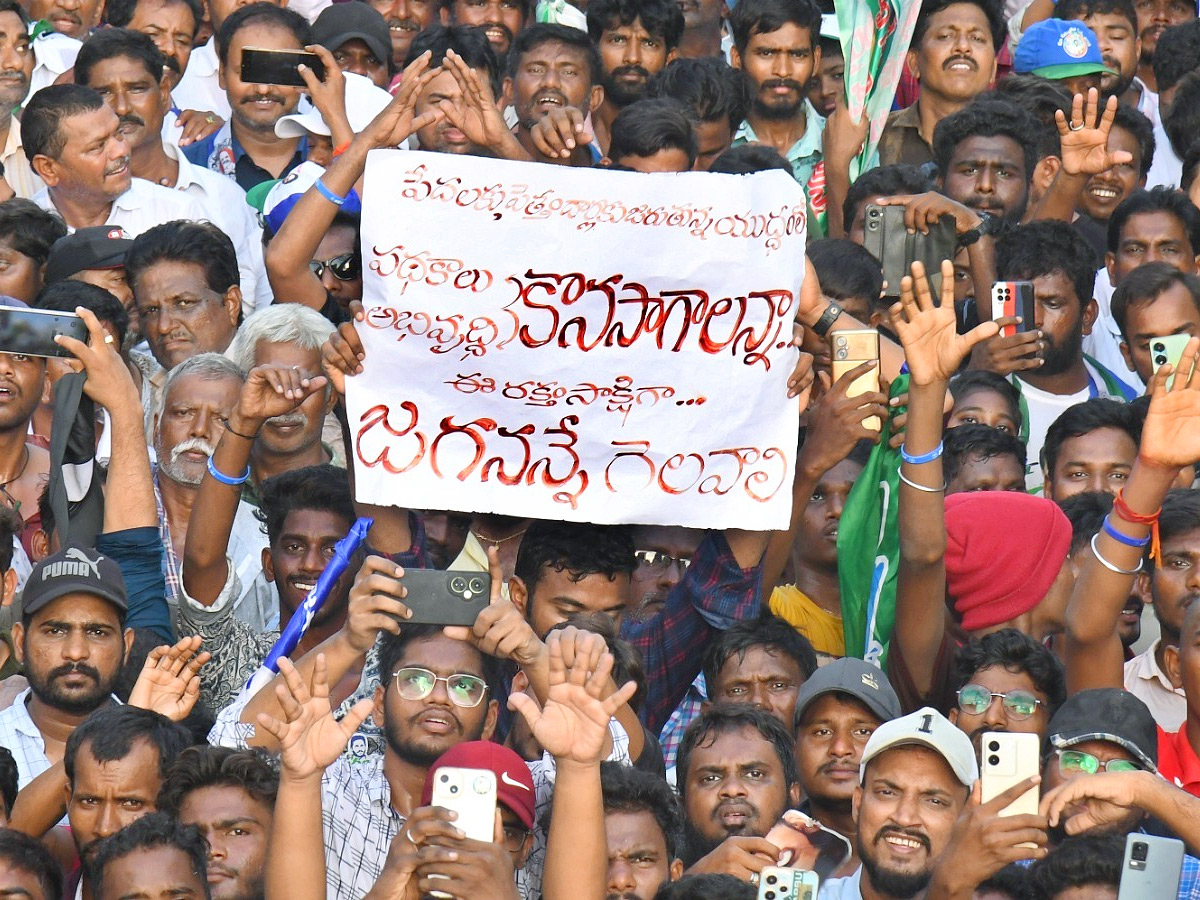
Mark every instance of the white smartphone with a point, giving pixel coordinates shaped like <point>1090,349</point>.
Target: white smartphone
<point>1151,867</point>
<point>1008,759</point>
<point>472,794</point>
<point>776,883</point>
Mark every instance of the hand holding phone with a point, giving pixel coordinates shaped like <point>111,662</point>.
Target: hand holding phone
<point>851,348</point>
<point>1014,299</point>
<point>779,883</point>
<point>1151,868</point>
<point>31,332</point>
<point>1169,350</point>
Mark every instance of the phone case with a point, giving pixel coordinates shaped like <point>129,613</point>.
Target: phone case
<point>1168,349</point>
<point>775,883</point>
<point>887,239</point>
<point>265,66</point>
<point>1009,759</point>
<point>1014,298</point>
<point>1151,867</point>
<point>445,598</point>
<point>472,794</point>
<point>31,332</point>
<point>851,348</point>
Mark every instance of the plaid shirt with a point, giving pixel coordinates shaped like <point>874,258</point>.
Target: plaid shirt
<point>715,592</point>
<point>685,714</point>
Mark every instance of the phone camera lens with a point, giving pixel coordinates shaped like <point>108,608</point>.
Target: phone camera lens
<point>771,879</point>
<point>993,760</point>
<point>454,788</point>
<point>994,746</point>
<point>458,584</point>
<point>445,778</point>
<point>1160,360</point>
<point>1140,851</point>
<point>770,895</point>
<point>476,585</point>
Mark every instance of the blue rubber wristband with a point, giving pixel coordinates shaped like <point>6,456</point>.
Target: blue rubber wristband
<point>225,479</point>
<point>327,193</point>
<point>1123,538</point>
<point>933,454</point>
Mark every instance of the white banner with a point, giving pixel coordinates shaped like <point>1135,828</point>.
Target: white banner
<point>576,344</point>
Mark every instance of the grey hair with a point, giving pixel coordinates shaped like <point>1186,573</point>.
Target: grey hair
<point>208,366</point>
<point>281,323</point>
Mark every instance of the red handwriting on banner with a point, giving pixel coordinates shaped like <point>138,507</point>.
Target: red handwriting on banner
<point>771,226</point>
<point>422,267</point>
<point>485,450</point>
<point>619,397</point>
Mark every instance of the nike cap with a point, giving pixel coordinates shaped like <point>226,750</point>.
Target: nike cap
<point>514,783</point>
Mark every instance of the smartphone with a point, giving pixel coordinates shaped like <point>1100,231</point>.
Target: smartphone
<point>1151,867</point>
<point>262,66</point>
<point>472,794</point>
<point>446,598</point>
<point>31,332</point>
<point>1009,759</point>
<point>806,844</point>
<point>887,239</point>
<point>1168,349</point>
<point>775,883</point>
<point>1014,298</point>
<point>852,348</point>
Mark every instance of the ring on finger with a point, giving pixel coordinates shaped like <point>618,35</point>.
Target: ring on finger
<point>412,840</point>
<point>1075,126</point>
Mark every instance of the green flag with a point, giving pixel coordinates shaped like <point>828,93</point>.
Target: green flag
<point>868,548</point>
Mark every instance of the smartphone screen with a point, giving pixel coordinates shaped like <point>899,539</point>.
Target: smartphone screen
<point>31,332</point>
<point>804,843</point>
<point>261,66</point>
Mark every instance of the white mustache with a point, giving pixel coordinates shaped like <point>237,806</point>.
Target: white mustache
<point>192,444</point>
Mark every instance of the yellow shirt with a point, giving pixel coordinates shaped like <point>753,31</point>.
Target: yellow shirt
<point>822,628</point>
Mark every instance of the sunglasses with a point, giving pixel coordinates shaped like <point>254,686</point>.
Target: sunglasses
<point>344,268</point>
<point>414,683</point>
<point>1076,762</point>
<point>660,562</point>
<point>975,699</point>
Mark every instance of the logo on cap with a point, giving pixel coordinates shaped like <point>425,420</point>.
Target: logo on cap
<point>75,564</point>
<point>1074,43</point>
<point>115,234</point>
<point>511,782</point>
<point>869,680</point>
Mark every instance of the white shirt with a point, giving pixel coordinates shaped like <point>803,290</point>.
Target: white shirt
<point>17,171</point>
<point>1166,168</point>
<point>1104,343</point>
<point>200,87</point>
<point>24,740</point>
<point>1043,408</point>
<point>140,208</point>
<point>1149,683</point>
<point>848,888</point>
<point>53,55</point>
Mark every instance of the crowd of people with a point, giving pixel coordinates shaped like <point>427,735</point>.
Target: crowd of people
<point>660,706</point>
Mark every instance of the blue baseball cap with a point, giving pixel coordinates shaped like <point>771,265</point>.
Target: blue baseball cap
<point>1056,49</point>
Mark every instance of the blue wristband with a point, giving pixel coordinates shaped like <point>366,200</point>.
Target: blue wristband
<point>327,193</point>
<point>933,454</point>
<point>1123,538</point>
<point>225,479</point>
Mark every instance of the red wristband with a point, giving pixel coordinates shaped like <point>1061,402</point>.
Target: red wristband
<point>340,149</point>
<point>1121,508</point>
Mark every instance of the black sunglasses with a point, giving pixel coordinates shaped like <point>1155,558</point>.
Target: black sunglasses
<point>344,268</point>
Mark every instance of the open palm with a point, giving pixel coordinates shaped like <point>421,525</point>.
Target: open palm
<point>1084,140</point>
<point>169,683</point>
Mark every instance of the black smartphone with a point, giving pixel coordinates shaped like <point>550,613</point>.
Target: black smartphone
<point>31,332</point>
<point>261,66</point>
<point>446,598</point>
<point>886,238</point>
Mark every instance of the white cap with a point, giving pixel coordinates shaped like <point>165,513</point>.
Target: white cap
<point>929,728</point>
<point>364,101</point>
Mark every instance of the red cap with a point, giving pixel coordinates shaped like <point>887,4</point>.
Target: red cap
<point>514,783</point>
<point>1003,551</point>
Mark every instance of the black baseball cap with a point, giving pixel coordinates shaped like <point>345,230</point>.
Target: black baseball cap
<point>74,570</point>
<point>861,680</point>
<point>1107,714</point>
<point>99,247</point>
<point>349,21</point>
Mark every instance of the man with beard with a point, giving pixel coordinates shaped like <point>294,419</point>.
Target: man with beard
<point>116,762</point>
<point>663,554</point>
<point>643,825</point>
<point>636,38</point>
<point>915,779</point>
<point>501,21</point>
<point>229,795</point>
<point>1059,263</point>
<point>125,68</point>
<point>953,55</point>
<point>1153,18</point>
<point>1114,22</point>
<point>736,776</point>
<point>25,465</point>
<point>246,148</point>
<point>73,643</point>
<point>775,44</point>
<point>1007,681</point>
<point>762,661</point>
<point>75,144</point>
<point>16,68</point>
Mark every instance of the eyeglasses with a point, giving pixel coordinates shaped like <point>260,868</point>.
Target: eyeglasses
<point>514,837</point>
<point>344,268</point>
<point>1076,762</point>
<point>414,683</point>
<point>660,562</point>
<point>975,699</point>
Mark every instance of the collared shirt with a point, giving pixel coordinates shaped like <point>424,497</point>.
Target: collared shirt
<point>200,86</point>
<point>140,208</point>
<point>686,712</point>
<point>154,376</point>
<point>1149,683</point>
<point>803,155</point>
<point>17,171</point>
<point>901,141</point>
<point>1104,342</point>
<point>221,152</point>
<point>23,739</point>
<point>1177,760</point>
<point>54,54</point>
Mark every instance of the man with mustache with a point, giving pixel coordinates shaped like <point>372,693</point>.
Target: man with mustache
<point>1153,18</point>
<point>16,68</point>
<point>953,55</point>
<point>246,148</point>
<point>776,45</point>
<point>405,20</point>
<point>501,20</point>
<point>643,827</point>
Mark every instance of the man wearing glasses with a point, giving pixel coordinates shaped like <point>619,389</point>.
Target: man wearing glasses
<point>1007,681</point>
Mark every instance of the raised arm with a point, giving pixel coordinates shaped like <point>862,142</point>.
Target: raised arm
<point>1170,440</point>
<point>934,351</point>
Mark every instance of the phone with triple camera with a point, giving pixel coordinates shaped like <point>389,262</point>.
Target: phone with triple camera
<point>1151,867</point>
<point>263,66</point>
<point>775,883</point>
<point>446,598</point>
<point>1008,759</point>
<point>1014,298</point>
<point>1168,349</point>
<point>851,348</point>
<point>886,237</point>
<point>31,332</point>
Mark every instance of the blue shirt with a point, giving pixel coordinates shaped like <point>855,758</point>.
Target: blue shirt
<point>233,160</point>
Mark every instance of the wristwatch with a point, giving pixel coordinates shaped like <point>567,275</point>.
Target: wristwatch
<point>988,224</point>
<point>822,325</point>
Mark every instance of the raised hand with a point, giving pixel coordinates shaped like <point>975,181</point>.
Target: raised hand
<point>196,125</point>
<point>559,132</point>
<point>342,354</point>
<point>169,683</point>
<point>501,630</point>
<point>835,422</point>
<point>1102,800</point>
<point>375,603</point>
<point>310,738</point>
<point>475,113</point>
<point>274,391</point>
<point>933,348</point>
<point>328,95</point>
<point>108,380</point>
<point>398,119</point>
<point>1085,139</point>
<point>1171,432</point>
<point>573,724</point>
